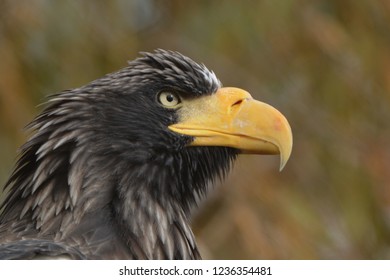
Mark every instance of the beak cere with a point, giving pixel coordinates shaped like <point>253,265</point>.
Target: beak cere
<point>232,118</point>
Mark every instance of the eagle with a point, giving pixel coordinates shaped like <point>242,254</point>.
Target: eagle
<point>114,168</point>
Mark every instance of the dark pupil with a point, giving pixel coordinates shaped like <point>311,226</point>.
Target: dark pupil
<point>170,98</point>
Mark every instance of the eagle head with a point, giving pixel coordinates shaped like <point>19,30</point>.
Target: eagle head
<point>114,167</point>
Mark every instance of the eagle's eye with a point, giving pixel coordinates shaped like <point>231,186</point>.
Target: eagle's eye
<point>169,99</point>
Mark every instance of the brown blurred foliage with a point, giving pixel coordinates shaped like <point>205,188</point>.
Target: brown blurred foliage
<point>324,63</point>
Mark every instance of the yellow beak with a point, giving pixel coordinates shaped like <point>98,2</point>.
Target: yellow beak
<point>232,118</point>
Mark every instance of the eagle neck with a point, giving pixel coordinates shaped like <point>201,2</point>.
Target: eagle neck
<point>162,228</point>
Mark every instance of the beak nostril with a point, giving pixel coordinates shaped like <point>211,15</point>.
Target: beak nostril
<point>235,107</point>
<point>238,102</point>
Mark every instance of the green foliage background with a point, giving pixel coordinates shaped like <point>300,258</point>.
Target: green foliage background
<point>324,63</point>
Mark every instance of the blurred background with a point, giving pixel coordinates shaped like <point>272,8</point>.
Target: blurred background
<point>324,63</point>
